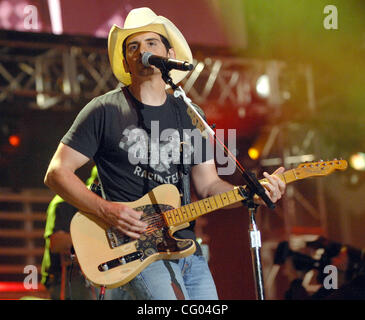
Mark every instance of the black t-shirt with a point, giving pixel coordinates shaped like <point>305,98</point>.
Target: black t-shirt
<point>137,150</point>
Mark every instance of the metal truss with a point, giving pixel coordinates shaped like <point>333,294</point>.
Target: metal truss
<point>228,80</point>
<point>55,77</point>
<point>289,144</point>
<point>62,76</point>
<point>299,202</point>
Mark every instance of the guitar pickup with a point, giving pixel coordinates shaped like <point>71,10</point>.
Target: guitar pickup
<point>116,238</point>
<point>120,261</point>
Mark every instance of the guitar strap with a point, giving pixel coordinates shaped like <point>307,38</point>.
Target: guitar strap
<point>184,169</point>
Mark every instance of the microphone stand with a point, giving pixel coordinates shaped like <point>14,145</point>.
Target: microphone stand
<point>253,187</point>
<point>255,243</point>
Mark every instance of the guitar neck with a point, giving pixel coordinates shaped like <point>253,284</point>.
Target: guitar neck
<point>198,208</point>
<point>289,176</point>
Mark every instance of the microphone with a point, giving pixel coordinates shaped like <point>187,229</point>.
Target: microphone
<point>148,59</point>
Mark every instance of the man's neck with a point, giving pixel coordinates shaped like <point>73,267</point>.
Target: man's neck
<point>152,93</point>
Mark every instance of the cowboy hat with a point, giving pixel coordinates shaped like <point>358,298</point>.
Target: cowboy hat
<point>139,20</point>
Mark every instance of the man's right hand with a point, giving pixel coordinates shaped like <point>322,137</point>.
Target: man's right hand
<point>125,219</point>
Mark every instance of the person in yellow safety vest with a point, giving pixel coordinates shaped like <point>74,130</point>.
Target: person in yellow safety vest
<point>63,280</point>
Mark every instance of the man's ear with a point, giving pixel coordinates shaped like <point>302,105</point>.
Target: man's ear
<point>171,53</point>
<point>125,65</point>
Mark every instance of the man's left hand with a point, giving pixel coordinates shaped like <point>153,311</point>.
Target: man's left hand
<point>275,187</point>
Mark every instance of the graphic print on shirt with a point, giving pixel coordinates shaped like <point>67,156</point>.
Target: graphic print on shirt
<point>159,152</point>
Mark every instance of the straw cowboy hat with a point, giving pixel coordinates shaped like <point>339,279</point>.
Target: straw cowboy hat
<point>139,20</point>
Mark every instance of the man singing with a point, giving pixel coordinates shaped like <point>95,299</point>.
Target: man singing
<point>107,130</point>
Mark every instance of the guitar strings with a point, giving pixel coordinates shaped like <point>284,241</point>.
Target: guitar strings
<point>155,222</point>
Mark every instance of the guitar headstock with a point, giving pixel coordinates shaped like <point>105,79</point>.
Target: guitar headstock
<point>320,168</point>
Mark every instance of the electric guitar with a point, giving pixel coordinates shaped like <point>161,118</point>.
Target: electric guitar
<point>109,258</point>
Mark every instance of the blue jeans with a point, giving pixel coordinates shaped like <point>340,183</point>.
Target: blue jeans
<point>188,278</point>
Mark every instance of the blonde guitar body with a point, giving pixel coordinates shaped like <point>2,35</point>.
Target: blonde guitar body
<point>109,258</point>
<point>107,262</point>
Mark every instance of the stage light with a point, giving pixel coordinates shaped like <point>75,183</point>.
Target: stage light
<point>11,140</point>
<point>14,140</point>
<point>263,86</point>
<point>253,153</point>
<point>261,147</point>
<point>357,161</point>
<point>55,13</point>
<point>12,286</point>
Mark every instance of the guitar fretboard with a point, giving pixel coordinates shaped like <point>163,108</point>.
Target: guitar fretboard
<point>198,208</point>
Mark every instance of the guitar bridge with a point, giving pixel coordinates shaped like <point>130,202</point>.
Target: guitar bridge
<point>116,238</point>
<point>120,261</point>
